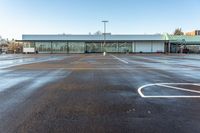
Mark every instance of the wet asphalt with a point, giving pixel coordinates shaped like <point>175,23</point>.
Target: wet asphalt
<point>92,93</point>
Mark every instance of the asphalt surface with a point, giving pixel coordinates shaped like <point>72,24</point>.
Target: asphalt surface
<point>99,94</point>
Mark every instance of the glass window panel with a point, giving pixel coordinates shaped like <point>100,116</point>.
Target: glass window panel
<point>59,47</point>
<point>110,47</point>
<point>93,47</point>
<point>76,47</point>
<point>29,45</point>
<point>125,47</point>
<point>43,47</point>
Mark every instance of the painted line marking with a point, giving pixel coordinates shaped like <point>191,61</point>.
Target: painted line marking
<point>167,85</point>
<point>171,96</point>
<point>126,62</point>
<point>178,88</point>
<point>112,68</point>
<point>197,84</point>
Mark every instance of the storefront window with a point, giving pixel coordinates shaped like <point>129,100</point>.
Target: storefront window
<point>125,47</point>
<point>76,47</point>
<point>110,47</point>
<point>59,47</point>
<point>43,47</point>
<point>93,47</point>
<point>28,45</point>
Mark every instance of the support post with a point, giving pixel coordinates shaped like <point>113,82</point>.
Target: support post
<point>169,47</point>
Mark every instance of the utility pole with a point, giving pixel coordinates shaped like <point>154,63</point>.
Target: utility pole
<point>105,21</point>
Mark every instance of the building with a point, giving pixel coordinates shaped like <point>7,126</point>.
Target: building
<point>193,33</point>
<point>181,43</point>
<point>114,43</point>
<point>93,43</point>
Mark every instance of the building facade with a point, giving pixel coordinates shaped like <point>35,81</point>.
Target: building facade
<point>183,43</point>
<point>93,43</point>
<point>112,44</point>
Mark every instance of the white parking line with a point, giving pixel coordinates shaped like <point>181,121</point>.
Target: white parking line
<point>126,62</point>
<point>175,96</point>
<point>172,87</point>
<point>110,68</point>
<point>178,88</point>
<point>197,84</point>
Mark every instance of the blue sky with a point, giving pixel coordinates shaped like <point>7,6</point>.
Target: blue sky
<point>19,17</point>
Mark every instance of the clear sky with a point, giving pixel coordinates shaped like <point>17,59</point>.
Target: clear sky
<point>19,17</point>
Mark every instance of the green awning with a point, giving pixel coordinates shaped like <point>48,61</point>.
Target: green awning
<point>183,39</point>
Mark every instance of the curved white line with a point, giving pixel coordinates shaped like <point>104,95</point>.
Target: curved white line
<point>144,86</point>
<point>148,85</point>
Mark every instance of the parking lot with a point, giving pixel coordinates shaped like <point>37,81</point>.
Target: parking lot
<point>92,93</point>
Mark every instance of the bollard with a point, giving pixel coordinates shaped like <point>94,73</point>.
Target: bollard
<point>104,53</point>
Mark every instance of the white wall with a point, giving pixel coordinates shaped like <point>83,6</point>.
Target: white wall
<point>148,46</point>
<point>29,50</point>
<point>133,47</point>
<point>143,47</point>
<point>158,47</point>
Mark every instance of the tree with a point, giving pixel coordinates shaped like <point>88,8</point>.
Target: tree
<point>98,33</point>
<point>0,40</point>
<point>178,31</point>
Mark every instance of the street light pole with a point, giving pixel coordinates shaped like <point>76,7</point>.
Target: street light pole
<point>105,21</point>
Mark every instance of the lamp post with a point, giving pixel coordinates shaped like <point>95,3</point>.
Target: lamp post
<point>105,21</point>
